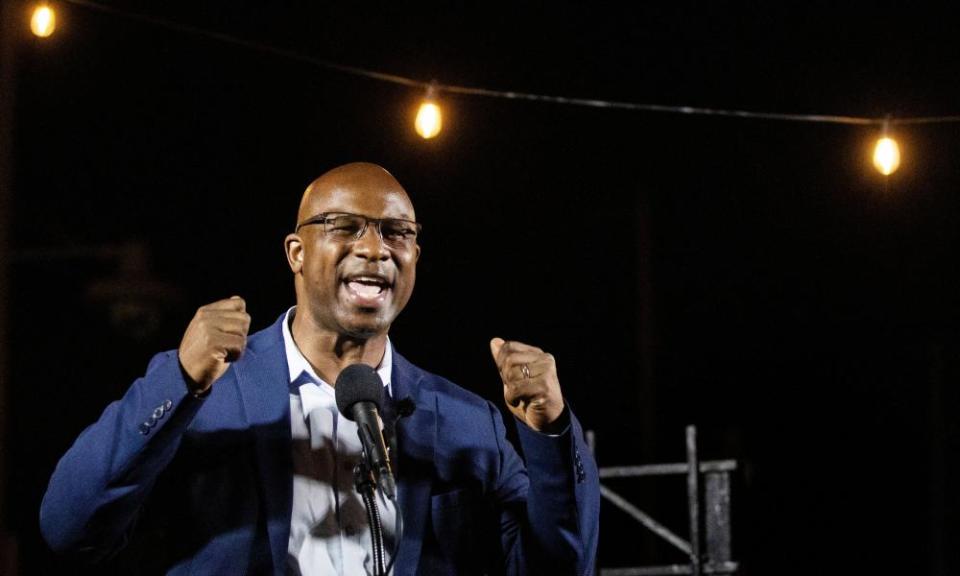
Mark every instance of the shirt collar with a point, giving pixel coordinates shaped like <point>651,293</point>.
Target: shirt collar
<point>302,373</point>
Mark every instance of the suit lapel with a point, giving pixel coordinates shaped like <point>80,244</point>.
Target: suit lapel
<point>262,377</point>
<point>416,441</point>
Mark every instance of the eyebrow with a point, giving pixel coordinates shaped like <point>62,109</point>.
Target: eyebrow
<point>403,216</point>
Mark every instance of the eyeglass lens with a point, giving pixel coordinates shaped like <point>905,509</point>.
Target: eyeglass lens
<point>347,227</point>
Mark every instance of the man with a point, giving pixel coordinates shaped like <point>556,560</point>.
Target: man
<point>228,448</point>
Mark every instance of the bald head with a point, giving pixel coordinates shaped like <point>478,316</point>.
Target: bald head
<point>361,179</point>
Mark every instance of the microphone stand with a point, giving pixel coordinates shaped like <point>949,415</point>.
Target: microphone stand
<point>366,486</point>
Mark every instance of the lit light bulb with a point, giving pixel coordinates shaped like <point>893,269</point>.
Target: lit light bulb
<point>43,21</point>
<point>429,120</point>
<point>886,156</point>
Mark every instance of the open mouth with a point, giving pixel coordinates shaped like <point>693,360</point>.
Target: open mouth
<point>367,290</point>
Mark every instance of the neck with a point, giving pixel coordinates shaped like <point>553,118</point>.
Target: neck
<point>330,352</point>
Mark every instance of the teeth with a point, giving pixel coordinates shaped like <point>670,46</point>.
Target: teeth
<point>365,290</point>
<point>369,280</point>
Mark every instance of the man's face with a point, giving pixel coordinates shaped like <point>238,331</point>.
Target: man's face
<point>354,287</point>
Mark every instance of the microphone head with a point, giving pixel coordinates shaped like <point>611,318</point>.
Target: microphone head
<point>358,383</point>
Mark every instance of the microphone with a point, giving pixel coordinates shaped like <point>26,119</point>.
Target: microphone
<point>359,392</point>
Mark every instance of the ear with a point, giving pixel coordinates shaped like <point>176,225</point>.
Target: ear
<point>416,257</point>
<point>293,246</point>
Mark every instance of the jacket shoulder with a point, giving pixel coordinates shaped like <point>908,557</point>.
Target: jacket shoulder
<point>268,337</point>
<point>441,386</point>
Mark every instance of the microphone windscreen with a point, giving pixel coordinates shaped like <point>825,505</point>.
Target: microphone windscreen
<point>358,383</point>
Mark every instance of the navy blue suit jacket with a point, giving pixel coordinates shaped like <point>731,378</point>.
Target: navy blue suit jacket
<point>206,484</point>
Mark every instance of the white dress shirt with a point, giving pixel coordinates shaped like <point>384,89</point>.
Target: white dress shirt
<point>329,532</point>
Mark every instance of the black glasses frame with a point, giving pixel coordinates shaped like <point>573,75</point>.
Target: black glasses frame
<point>325,217</point>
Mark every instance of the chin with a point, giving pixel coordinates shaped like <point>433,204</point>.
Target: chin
<point>365,330</point>
<point>359,333</point>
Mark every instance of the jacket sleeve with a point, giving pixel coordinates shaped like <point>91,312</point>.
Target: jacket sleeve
<point>99,485</point>
<point>553,527</point>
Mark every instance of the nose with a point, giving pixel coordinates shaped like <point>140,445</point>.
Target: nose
<point>370,244</point>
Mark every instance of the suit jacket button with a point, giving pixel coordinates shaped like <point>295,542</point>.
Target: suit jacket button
<point>158,413</point>
<point>144,428</point>
<point>168,404</point>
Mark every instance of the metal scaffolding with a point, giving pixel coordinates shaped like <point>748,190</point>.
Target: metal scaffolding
<point>713,491</point>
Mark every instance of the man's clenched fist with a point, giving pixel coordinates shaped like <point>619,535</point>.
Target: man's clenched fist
<point>215,337</point>
<point>530,384</point>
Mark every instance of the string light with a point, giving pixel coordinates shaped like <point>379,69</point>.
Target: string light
<point>886,153</point>
<point>429,120</point>
<point>886,156</point>
<point>43,21</point>
<point>429,117</point>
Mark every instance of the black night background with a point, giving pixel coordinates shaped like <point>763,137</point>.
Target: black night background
<point>758,279</point>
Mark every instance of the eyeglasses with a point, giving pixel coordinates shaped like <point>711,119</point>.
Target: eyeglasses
<point>346,227</point>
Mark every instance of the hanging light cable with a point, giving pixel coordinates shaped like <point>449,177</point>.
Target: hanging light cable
<point>429,120</point>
